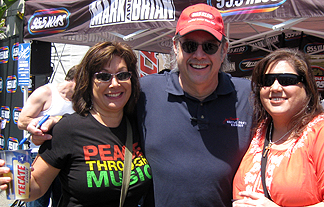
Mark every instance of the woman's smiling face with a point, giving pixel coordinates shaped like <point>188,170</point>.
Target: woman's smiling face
<point>112,96</point>
<point>283,101</point>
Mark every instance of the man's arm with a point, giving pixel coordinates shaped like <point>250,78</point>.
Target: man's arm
<point>39,135</point>
<point>38,101</point>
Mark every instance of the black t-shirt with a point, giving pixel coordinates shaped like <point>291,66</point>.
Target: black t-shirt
<point>90,157</point>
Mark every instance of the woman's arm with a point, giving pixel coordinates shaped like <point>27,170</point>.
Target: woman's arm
<point>253,199</point>
<point>259,200</point>
<point>41,178</point>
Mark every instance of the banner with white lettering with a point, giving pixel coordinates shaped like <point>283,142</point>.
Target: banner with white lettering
<point>24,64</point>
<point>149,25</point>
<point>244,58</point>
<point>89,22</point>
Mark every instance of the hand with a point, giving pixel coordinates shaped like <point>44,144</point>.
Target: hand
<point>4,180</point>
<point>39,136</point>
<point>253,199</point>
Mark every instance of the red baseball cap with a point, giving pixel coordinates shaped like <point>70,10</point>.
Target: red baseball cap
<point>201,17</point>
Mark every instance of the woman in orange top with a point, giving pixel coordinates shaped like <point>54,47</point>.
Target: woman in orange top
<point>289,136</point>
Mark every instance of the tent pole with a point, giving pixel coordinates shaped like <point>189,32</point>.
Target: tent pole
<point>25,95</point>
<point>313,32</point>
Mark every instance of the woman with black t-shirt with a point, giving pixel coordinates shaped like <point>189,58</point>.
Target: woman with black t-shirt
<point>88,147</point>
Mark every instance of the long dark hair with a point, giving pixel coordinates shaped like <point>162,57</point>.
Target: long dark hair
<point>300,62</point>
<point>94,60</point>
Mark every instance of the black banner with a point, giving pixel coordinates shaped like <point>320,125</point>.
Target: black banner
<point>150,25</point>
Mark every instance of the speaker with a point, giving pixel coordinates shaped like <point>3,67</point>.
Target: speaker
<point>40,61</point>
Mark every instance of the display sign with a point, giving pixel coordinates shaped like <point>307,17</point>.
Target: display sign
<point>24,64</point>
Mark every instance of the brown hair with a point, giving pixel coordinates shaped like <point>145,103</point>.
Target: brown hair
<point>94,61</point>
<point>300,62</point>
<point>71,73</point>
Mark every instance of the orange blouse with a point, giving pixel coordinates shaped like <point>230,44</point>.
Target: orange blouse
<point>295,176</point>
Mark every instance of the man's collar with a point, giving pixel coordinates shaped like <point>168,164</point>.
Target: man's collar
<point>225,85</point>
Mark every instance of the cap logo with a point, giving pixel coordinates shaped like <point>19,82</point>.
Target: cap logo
<point>202,14</point>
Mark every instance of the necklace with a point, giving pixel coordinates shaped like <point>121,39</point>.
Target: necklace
<point>267,148</point>
<point>97,112</point>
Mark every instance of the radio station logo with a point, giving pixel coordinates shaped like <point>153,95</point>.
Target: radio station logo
<point>15,51</point>
<point>247,6</point>
<point>49,21</point>
<point>5,113</point>
<point>15,114</point>
<point>290,36</point>
<point>248,64</point>
<point>314,48</point>
<point>13,143</point>
<point>2,142</point>
<point>11,84</point>
<point>4,54</point>
<point>237,50</point>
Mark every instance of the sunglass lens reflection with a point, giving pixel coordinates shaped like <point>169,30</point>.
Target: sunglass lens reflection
<point>286,81</point>
<point>121,76</point>
<point>210,48</point>
<point>103,76</point>
<point>283,79</point>
<point>191,46</point>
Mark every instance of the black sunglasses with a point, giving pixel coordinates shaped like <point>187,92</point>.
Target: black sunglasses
<point>106,77</point>
<point>191,46</point>
<point>285,79</point>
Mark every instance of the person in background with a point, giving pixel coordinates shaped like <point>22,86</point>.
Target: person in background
<point>195,119</point>
<point>288,136</point>
<point>54,100</point>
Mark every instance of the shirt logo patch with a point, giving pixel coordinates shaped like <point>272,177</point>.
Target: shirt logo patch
<point>234,122</point>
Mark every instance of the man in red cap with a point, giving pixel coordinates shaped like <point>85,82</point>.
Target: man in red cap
<point>197,119</point>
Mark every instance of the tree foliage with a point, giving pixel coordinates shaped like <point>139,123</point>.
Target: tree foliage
<point>3,9</point>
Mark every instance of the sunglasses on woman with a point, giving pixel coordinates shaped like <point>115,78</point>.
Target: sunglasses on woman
<point>106,77</point>
<point>192,46</point>
<point>285,79</point>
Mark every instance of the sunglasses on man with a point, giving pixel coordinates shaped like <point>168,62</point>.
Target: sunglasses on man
<point>190,46</point>
<point>106,77</point>
<point>285,79</point>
